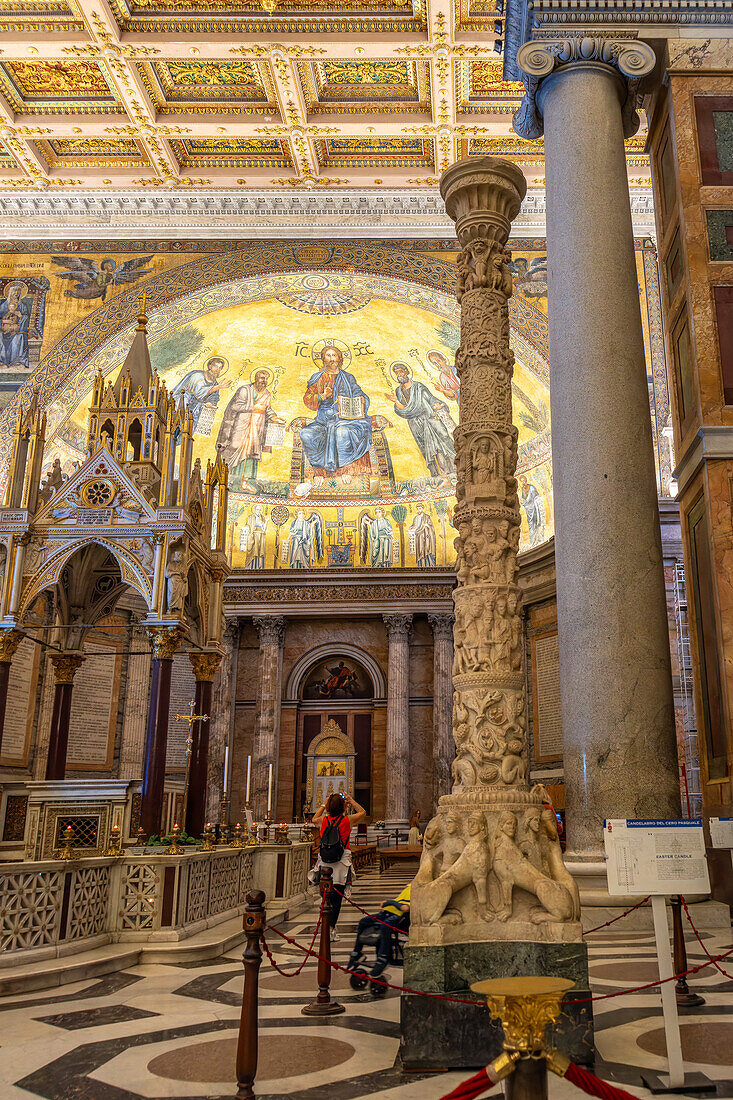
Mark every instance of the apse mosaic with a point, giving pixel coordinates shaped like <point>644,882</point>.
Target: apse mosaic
<point>325,372</point>
<point>333,398</point>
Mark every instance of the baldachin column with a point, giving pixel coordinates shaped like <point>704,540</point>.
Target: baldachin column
<point>65,667</point>
<point>271,631</point>
<point>617,707</point>
<point>398,719</point>
<point>443,745</point>
<point>165,641</point>
<point>9,642</point>
<point>205,667</point>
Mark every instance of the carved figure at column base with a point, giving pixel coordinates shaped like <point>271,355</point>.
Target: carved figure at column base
<point>492,869</point>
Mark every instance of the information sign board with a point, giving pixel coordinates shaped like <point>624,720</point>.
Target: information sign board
<point>721,832</point>
<point>662,857</point>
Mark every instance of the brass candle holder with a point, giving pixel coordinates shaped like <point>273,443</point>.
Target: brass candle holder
<point>114,845</point>
<point>67,850</point>
<point>174,848</point>
<point>209,844</point>
<point>236,841</point>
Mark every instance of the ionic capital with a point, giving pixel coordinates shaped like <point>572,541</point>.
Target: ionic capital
<point>483,195</point>
<point>66,666</point>
<point>271,629</point>
<point>205,665</point>
<point>628,59</point>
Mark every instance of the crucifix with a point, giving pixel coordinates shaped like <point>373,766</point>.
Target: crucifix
<point>190,718</point>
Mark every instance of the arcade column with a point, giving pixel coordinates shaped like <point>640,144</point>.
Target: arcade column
<point>205,666</point>
<point>165,641</point>
<point>398,719</point>
<point>65,667</point>
<point>619,742</point>
<point>271,631</point>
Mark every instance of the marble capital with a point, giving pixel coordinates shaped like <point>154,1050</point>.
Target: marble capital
<point>205,665</point>
<point>442,624</point>
<point>9,642</point>
<point>270,628</point>
<point>626,60</point>
<point>398,625</point>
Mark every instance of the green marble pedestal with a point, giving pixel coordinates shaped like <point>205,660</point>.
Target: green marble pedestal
<point>438,1034</point>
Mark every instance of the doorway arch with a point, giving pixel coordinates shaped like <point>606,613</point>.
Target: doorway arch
<point>343,684</point>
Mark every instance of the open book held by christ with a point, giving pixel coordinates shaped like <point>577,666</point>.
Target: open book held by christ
<point>351,408</point>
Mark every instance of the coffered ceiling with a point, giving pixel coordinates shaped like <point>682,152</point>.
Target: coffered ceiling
<point>193,94</point>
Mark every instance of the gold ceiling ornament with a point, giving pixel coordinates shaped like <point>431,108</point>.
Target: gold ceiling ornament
<point>310,181</point>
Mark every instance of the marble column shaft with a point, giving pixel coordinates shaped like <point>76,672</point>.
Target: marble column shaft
<point>65,667</point>
<point>223,696</point>
<point>398,718</point>
<point>9,642</point>
<point>271,630</point>
<point>165,642</point>
<point>205,666</point>
<point>619,741</point>
<point>443,743</point>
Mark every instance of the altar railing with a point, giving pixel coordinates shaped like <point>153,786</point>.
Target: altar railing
<point>59,906</point>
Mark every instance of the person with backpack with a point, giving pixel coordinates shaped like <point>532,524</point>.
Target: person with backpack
<point>335,851</point>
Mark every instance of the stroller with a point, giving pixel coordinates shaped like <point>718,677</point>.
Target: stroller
<point>387,944</point>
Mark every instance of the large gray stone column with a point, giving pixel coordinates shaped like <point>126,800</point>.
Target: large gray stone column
<point>616,688</point>
<point>271,630</point>
<point>444,748</point>
<point>398,718</point>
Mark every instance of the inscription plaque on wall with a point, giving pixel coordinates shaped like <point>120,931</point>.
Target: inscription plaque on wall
<point>20,706</point>
<point>548,724</point>
<point>183,690</point>
<point>94,709</point>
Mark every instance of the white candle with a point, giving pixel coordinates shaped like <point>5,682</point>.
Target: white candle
<point>226,768</point>
<point>269,787</point>
<point>249,773</point>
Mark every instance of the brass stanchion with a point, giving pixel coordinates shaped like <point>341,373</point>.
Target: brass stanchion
<point>254,923</point>
<point>685,999</point>
<point>323,1005</point>
<point>525,1007</point>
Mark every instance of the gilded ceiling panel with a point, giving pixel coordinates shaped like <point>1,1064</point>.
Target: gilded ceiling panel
<point>209,86</point>
<point>375,152</point>
<point>83,152</point>
<point>232,152</point>
<point>289,16</point>
<point>34,16</point>
<point>67,87</point>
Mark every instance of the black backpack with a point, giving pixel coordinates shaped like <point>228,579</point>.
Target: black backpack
<point>332,845</point>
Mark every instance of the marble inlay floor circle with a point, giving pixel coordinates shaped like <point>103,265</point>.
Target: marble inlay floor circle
<point>279,1056</point>
<point>303,982</point>
<point>709,1042</point>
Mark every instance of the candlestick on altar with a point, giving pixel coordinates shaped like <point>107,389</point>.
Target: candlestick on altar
<point>269,789</point>
<point>249,776</point>
<point>225,780</point>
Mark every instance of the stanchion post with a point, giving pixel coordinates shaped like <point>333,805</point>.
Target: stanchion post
<point>254,923</point>
<point>323,1005</point>
<point>685,999</point>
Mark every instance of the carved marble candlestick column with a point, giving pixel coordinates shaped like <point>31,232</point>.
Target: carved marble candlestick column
<point>443,747</point>
<point>492,868</point>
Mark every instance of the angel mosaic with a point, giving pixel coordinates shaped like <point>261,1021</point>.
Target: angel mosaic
<point>92,281</point>
<point>375,539</point>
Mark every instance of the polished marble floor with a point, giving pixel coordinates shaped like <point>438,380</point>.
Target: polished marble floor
<point>168,1032</point>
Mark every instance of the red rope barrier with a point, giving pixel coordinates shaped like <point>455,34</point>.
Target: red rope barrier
<point>361,974</point>
<point>294,974</point>
<point>471,1087</point>
<point>402,931</point>
<point>614,919</point>
<point>699,940</point>
<point>594,1086</point>
<point>652,985</point>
